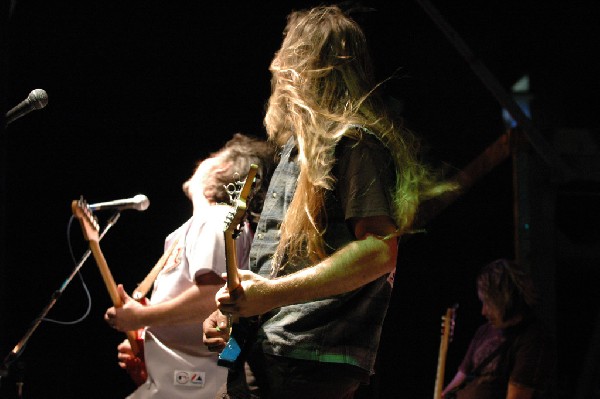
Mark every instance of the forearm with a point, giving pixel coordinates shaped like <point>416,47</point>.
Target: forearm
<point>353,266</point>
<point>458,379</point>
<point>519,392</point>
<point>193,305</point>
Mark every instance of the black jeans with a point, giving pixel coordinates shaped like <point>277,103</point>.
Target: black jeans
<point>273,377</point>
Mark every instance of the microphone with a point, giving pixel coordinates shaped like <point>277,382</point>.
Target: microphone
<point>140,203</point>
<point>37,99</point>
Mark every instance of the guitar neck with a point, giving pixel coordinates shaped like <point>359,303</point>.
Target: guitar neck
<point>229,357</point>
<point>109,281</point>
<point>233,277</point>
<point>233,220</point>
<point>444,341</point>
<point>90,227</point>
<point>111,286</point>
<point>439,378</point>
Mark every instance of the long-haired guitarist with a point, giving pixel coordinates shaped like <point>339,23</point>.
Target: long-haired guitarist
<point>177,363</point>
<point>347,185</point>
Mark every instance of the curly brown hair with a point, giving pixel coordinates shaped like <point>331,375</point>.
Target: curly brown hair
<point>235,158</point>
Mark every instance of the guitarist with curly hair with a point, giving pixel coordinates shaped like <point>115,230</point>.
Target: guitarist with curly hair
<point>178,365</point>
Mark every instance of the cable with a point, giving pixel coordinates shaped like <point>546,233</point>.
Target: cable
<point>83,284</point>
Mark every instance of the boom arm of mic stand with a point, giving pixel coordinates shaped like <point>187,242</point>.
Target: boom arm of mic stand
<point>18,349</point>
<point>543,148</point>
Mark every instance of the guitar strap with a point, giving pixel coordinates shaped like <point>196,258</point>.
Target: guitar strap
<point>143,288</point>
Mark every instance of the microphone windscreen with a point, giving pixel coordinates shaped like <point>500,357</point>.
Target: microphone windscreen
<point>39,98</point>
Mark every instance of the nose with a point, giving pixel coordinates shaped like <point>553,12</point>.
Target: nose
<point>484,310</point>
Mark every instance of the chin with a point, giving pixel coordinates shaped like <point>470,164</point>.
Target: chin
<point>495,323</point>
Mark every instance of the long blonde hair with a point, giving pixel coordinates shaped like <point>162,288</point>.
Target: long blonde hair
<point>322,85</point>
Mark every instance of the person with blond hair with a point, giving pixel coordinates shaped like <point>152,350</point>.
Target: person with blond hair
<point>347,186</point>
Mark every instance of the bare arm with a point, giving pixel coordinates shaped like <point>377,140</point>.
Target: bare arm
<point>513,392</point>
<point>458,379</point>
<point>351,267</point>
<point>193,305</point>
<point>518,392</point>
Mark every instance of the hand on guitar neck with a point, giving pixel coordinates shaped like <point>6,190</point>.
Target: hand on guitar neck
<point>120,318</point>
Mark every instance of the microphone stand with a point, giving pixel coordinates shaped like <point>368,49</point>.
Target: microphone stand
<point>19,348</point>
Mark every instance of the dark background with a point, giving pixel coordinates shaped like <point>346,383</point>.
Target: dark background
<point>140,90</point>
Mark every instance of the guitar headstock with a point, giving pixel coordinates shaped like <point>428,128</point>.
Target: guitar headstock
<point>238,193</point>
<point>448,321</point>
<point>87,220</point>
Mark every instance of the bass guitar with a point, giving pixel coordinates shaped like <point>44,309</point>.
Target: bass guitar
<point>447,333</point>
<point>239,329</point>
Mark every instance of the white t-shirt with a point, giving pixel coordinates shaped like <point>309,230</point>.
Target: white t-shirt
<point>178,364</point>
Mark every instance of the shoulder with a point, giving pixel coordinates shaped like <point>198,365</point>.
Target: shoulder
<point>211,218</point>
<point>360,138</point>
<point>365,176</point>
<point>179,231</point>
<point>535,331</point>
<point>486,331</point>
<point>364,150</point>
<point>532,340</point>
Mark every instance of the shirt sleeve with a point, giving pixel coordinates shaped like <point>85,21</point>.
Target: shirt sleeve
<point>205,243</point>
<point>366,178</point>
<point>533,360</point>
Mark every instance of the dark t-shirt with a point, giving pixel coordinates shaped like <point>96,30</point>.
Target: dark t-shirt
<point>526,359</point>
<point>344,328</point>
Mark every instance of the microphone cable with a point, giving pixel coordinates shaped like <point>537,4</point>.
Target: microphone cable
<point>83,284</point>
